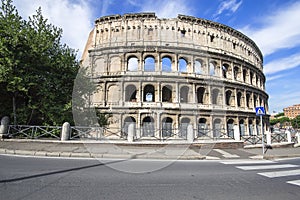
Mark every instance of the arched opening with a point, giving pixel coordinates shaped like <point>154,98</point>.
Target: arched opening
<point>182,65</point>
<point>244,75</point>
<point>149,64</point>
<point>235,73</point>
<point>202,127</point>
<point>148,127</point>
<point>258,127</point>
<point>166,64</point>
<point>130,93</point>
<point>225,69</point>
<point>127,122</point>
<point>217,128</point>
<point>230,131</point>
<point>184,123</point>
<point>251,78</point>
<point>132,64</point>
<point>251,127</point>
<point>200,95</point>
<point>167,127</point>
<point>255,101</point>
<point>239,99</point>
<point>242,127</point>
<point>215,96</point>
<point>228,97</point>
<point>149,93</point>
<point>184,93</point>
<point>167,93</point>
<point>113,94</point>
<point>198,67</point>
<point>248,100</point>
<point>212,68</point>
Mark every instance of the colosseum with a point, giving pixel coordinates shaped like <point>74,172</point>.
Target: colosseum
<point>181,78</point>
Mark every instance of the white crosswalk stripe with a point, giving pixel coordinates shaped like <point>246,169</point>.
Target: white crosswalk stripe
<point>284,170</point>
<point>258,167</point>
<point>225,154</point>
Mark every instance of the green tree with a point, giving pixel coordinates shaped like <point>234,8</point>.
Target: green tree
<point>36,69</point>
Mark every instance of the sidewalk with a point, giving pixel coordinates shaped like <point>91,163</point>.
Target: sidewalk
<point>96,149</point>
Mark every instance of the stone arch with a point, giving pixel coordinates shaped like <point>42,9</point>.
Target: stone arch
<point>239,99</point>
<point>201,95</point>
<point>230,126</point>
<point>216,96</point>
<point>245,74</point>
<point>148,127</point>
<point>198,67</point>
<point>182,65</point>
<point>202,127</point>
<point>213,68</point>
<point>242,127</point>
<point>149,64</point>
<point>127,121</point>
<point>248,96</point>
<point>167,93</point>
<point>229,98</point>
<point>113,94</point>
<point>225,70</point>
<point>184,94</point>
<point>132,63</point>
<point>167,127</point>
<point>217,127</point>
<point>149,93</point>
<point>166,64</point>
<point>115,64</point>
<point>236,73</point>
<point>100,65</point>
<point>130,93</point>
<point>184,123</point>
<point>251,127</point>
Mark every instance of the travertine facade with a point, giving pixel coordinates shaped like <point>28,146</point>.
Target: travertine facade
<point>163,74</point>
<point>292,111</point>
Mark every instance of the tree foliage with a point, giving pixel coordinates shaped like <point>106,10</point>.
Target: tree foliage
<point>37,71</point>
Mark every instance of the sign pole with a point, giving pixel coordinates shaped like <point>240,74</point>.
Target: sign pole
<point>262,136</point>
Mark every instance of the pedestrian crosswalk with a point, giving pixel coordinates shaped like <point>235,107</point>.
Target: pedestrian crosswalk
<point>269,169</point>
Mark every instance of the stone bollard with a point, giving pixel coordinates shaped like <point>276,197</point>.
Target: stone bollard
<point>298,137</point>
<point>236,133</point>
<point>288,136</point>
<point>4,126</point>
<point>269,138</point>
<point>190,133</point>
<point>131,132</point>
<point>65,132</point>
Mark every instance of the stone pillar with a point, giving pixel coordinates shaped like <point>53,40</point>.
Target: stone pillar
<point>4,126</point>
<point>298,137</point>
<point>131,132</point>
<point>269,138</point>
<point>236,132</point>
<point>190,133</point>
<point>65,132</point>
<point>288,136</point>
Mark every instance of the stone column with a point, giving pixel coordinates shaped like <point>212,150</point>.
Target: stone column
<point>4,126</point>
<point>65,132</point>
<point>288,136</point>
<point>190,133</point>
<point>131,132</point>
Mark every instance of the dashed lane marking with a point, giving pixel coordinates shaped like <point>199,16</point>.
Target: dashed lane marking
<point>260,167</point>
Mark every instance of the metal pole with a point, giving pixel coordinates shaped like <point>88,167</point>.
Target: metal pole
<point>262,136</point>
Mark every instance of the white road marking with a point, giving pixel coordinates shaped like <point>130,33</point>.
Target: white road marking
<point>226,154</point>
<point>280,173</point>
<point>259,167</point>
<point>242,162</point>
<point>295,182</point>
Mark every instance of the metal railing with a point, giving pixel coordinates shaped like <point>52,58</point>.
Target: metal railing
<point>34,132</point>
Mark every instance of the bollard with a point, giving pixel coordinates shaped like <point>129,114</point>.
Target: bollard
<point>298,137</point>
<point>269,138</point>
<point>190,133</point>
<point>288,136</point>
<point>65,132</point>
<point>236,132</point>
<point>131,132</point>
<point>4,126</point>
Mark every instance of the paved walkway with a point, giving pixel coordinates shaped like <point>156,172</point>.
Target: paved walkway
<point>96,149</point>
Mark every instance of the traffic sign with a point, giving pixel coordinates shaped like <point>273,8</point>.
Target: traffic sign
<point>260,111</point>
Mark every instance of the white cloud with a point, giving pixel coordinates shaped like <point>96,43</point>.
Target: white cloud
<point>74,17</point>
<point>167,8</point>
<point>282,64</point>
<point>230,5</point>
<point>280,30</point>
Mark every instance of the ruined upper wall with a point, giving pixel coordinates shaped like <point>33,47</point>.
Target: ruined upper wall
<point>145,29</point>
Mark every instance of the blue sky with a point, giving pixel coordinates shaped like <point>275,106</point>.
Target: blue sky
<point>273,24</point>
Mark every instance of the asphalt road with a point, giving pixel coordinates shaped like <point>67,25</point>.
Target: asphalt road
<point>84,179</point>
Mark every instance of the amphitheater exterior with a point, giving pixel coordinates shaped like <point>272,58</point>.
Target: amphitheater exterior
<point>164,76</point>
